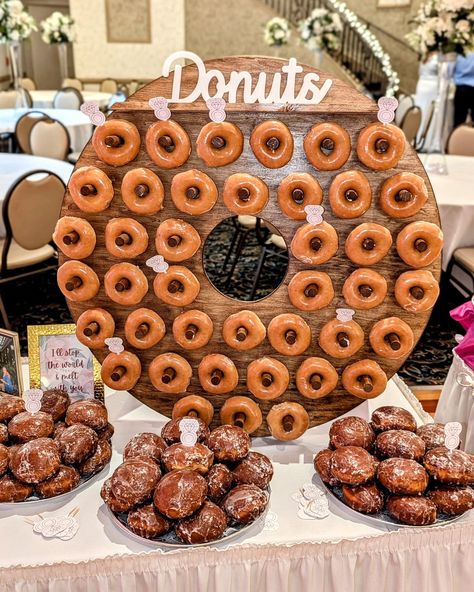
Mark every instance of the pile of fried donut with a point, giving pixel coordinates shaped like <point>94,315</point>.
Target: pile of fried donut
<point>196,491</point>
<point>48,453</point>
<point>390,465</point>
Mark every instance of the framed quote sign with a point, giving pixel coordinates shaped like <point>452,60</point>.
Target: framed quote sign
<point>58,360</point>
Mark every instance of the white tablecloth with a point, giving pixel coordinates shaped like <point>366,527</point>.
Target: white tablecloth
<point>338,553</point>
<point>78,125</point>
<point>454,193</point>
<point>44,98</point>
<point>13,166</point>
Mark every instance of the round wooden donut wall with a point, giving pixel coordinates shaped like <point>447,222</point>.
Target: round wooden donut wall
<point>299,370</point>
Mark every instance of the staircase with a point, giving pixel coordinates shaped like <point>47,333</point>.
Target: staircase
<point>360,53</point>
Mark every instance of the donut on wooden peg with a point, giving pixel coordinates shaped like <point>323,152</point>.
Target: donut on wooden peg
<point>193,192</point>
<point>121,371</point>
<point>170,373</point>
<point>327,146</point>
<point>219,144</point>
<point>245,194</point>
<point>194,406</point>
<point>368,244</point>
<point>316,377</point>
<point>116,142</point>
<point>295,192</point>
<point>310,290</point>
<point>416,291</point>
<point>177,240</point>
<point>144,328</point>
<point>243,330</point>
<point>125,238</point>
<point>217,374</point>
<point>142,191</point>
<point>380,146</point>
<point>192,329</point>
<point>419,244</point>
<point>167,144</point>
<point>91,189</point>
<point>267,378</point>
<point>77,281</point>
<point>177,287</point>
<point>94,326</point>
<point>287,421</point>
<point>315,244</point>
<point>272,143</point>
<point>403,195</point>
<point>341,337</point>
<point>242,412</point>
<point>364,379</point>
<point>350,195</point>
<point>392,338</point>
<point>125,284</point>
<point>364,289</point>
<point>289,334</point>
<point>75,237</point>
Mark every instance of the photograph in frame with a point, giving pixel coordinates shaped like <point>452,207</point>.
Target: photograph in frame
<point>11,382</point>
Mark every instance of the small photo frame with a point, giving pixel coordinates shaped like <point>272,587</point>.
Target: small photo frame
<point>57,359</point>
<point>11,382</point>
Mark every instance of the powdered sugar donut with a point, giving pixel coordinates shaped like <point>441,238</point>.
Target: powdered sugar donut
<point>12,490</point>
<point>65,480</point>
<point>401,444</point>
<point>147,522</point>
<point>219,481</point>
<point>77,443</point>
<point>402,476</point>
<point>416,511</point>
<point>89,412</point>
<point>180,493</point>
<point>367,499</point>
<point>134,481</point>
<point>98,460</point>
<point>171,433</point>
<point>208,524</point>
<point>351,431</point>
<point>255,469</point>
<point>245,503</point>
<point>453,467</point>
<point>432,435</point>
<point>352,465</point>
<point>10,405</point>
<point>452,500</point>
<point>55,402</point>
<point>29,426</point>
<point>145,444</point>
<point>196,458</point>
<point>229,443</point>
<point>35,461</point>
<point>322,465</point>
<point>390,417</point>
<point>109,498</point>
<point>4,459</point>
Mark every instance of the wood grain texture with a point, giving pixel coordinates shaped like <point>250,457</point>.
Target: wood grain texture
<point>344,106</point>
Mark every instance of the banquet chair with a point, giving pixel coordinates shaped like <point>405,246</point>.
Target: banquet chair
<point>72,83</point>
<point>464,259</point>
<point>12,99</point>
<point>49,138</point>
<point>426,127</point>
<point>68,98</point>
<point>405,102</point>
<point>23,128</point>
<point>31,209</point>
<point>28,84</point>
<point>411,124</point>
<point>461,141</point>
<point>108,86</point>
<point>132,87</point>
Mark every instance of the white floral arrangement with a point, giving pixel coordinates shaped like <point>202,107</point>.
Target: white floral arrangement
<point>16,23</point>
<point>321,30</point>
<point>443,25</point>
<point>58,28</point>
<point>277,32</point>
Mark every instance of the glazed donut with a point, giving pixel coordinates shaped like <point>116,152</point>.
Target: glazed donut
<point>341,339</point>
<point>254,469</point>
<point>116,142</point>
<point>125,238</point>
<point>452,500</point>
<point>144,328</point>
<point>310,290</point>
<point>350,194</point>
<point>229,443</point>
<point>75,237</point>
<point>453,467</point>
<point>416,291</point>
<point>368,244</point>
<point>219,481</point>
<point>245,194</point>
<point>167,144</point>
<point>217,374</point>
<point>94,326</point>
<point>242,412</point>
<point>380,146</point>
<point>289,334</point>
<point>125,284</point>
<point>91,189</point>
<point>390,417</point>
<point>287,421</point>
<point>194,406</point>
<point>219,144</point>
<point>177,287</point>
<point>245,503</point>
<point>432,435</point>
<point>297,191</point>
<point>142,192</point>
<point>77,281</point>
<point>192,329</point>
<point>322,465</point>
<point>367,499</point>
<point>364,379</point>
<point>121,371</point>
<point>193,192</point>
<point>315,244</point>
<point>171,431</point>
<point>170,373</point>
<point>391,338</point>
<point>352,465</point>
<point>327,146</point>
<point>180,456</point>
<point>243,330</point>
<point>415,511</point>
<point>177,240</point>
<point>207,524</point>
<point>272,144</point>
<point>400,444</point>
<point>419,243</point>
<point>402,476</point>
<point>351,431</point>
<point>403,195</point>
<point>364,289</point>
<point>267,378</point>
<point>316,378</point>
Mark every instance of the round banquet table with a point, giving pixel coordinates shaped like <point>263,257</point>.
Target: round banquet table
<point>77,123</point>
<point>13,166</point>
<point>44,98</point>
<point>281,553</point>
<point>454,194</point>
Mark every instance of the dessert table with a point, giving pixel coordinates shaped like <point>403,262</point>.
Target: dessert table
<point>334,553</point>
<point>44,98</point>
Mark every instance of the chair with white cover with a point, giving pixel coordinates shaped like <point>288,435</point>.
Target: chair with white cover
<point>68,98</point>
<point>28,83</point>
<point>411,124</point>
<point>12,99</point>
<point>72,83</point>
<point>461,141</point>
<point>49,138</point>
<point>404,103</point>
<point>31,209</point>
<point>108,86</point>
<point>23,128</point>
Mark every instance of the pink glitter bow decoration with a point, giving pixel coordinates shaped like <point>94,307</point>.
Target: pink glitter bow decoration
<point>387,108</point>
<point>160,108</point>
<point>115,344</point>
<point>216,107</point>
<point>91,109</point>
<point>314,214</point>
<point>158,264</point>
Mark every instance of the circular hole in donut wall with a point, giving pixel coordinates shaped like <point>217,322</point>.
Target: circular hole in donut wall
<point>147,196</point>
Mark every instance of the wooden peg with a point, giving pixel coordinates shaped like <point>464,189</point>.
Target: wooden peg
<point>142,330</point>
<point>365,290</point>
<point>403,196</point>
<point>175,286</point>
<point>192,413</point>
<point>123,239</point>
<point>243,194</point>
<point>273,143</point>
<point>92,329</point>
<point>315,243</point>
<point>123,284</point>
<point>288,422</point>
<point>267,379</point>
<point>174,240</point>
<point>218,142</point>
<point>290,337</point>
<point>118,372</point>
<point>239,419</point>
<point>192,192</point>
<point>381,146</point>
<point>167,143</point>
<point>343,339</point>
<point>241,334</point>
<point>316,381</point>
<point>351,195</point>
<point>417,292</point>
<point>142,190</point>
<point>74,283</point>
<point>191,332</point>
<point>216,376</point>
<point>366,382</point>
<point>394,341</point>
<point>421,245</point>
<point>71,238</point>
<point>113,141</point>
<point>368,244</point>
<point>327,145</point>
<point>168,375</point>
<point>88,189</point>
<point>311,290</point>
<point>297,195</point>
